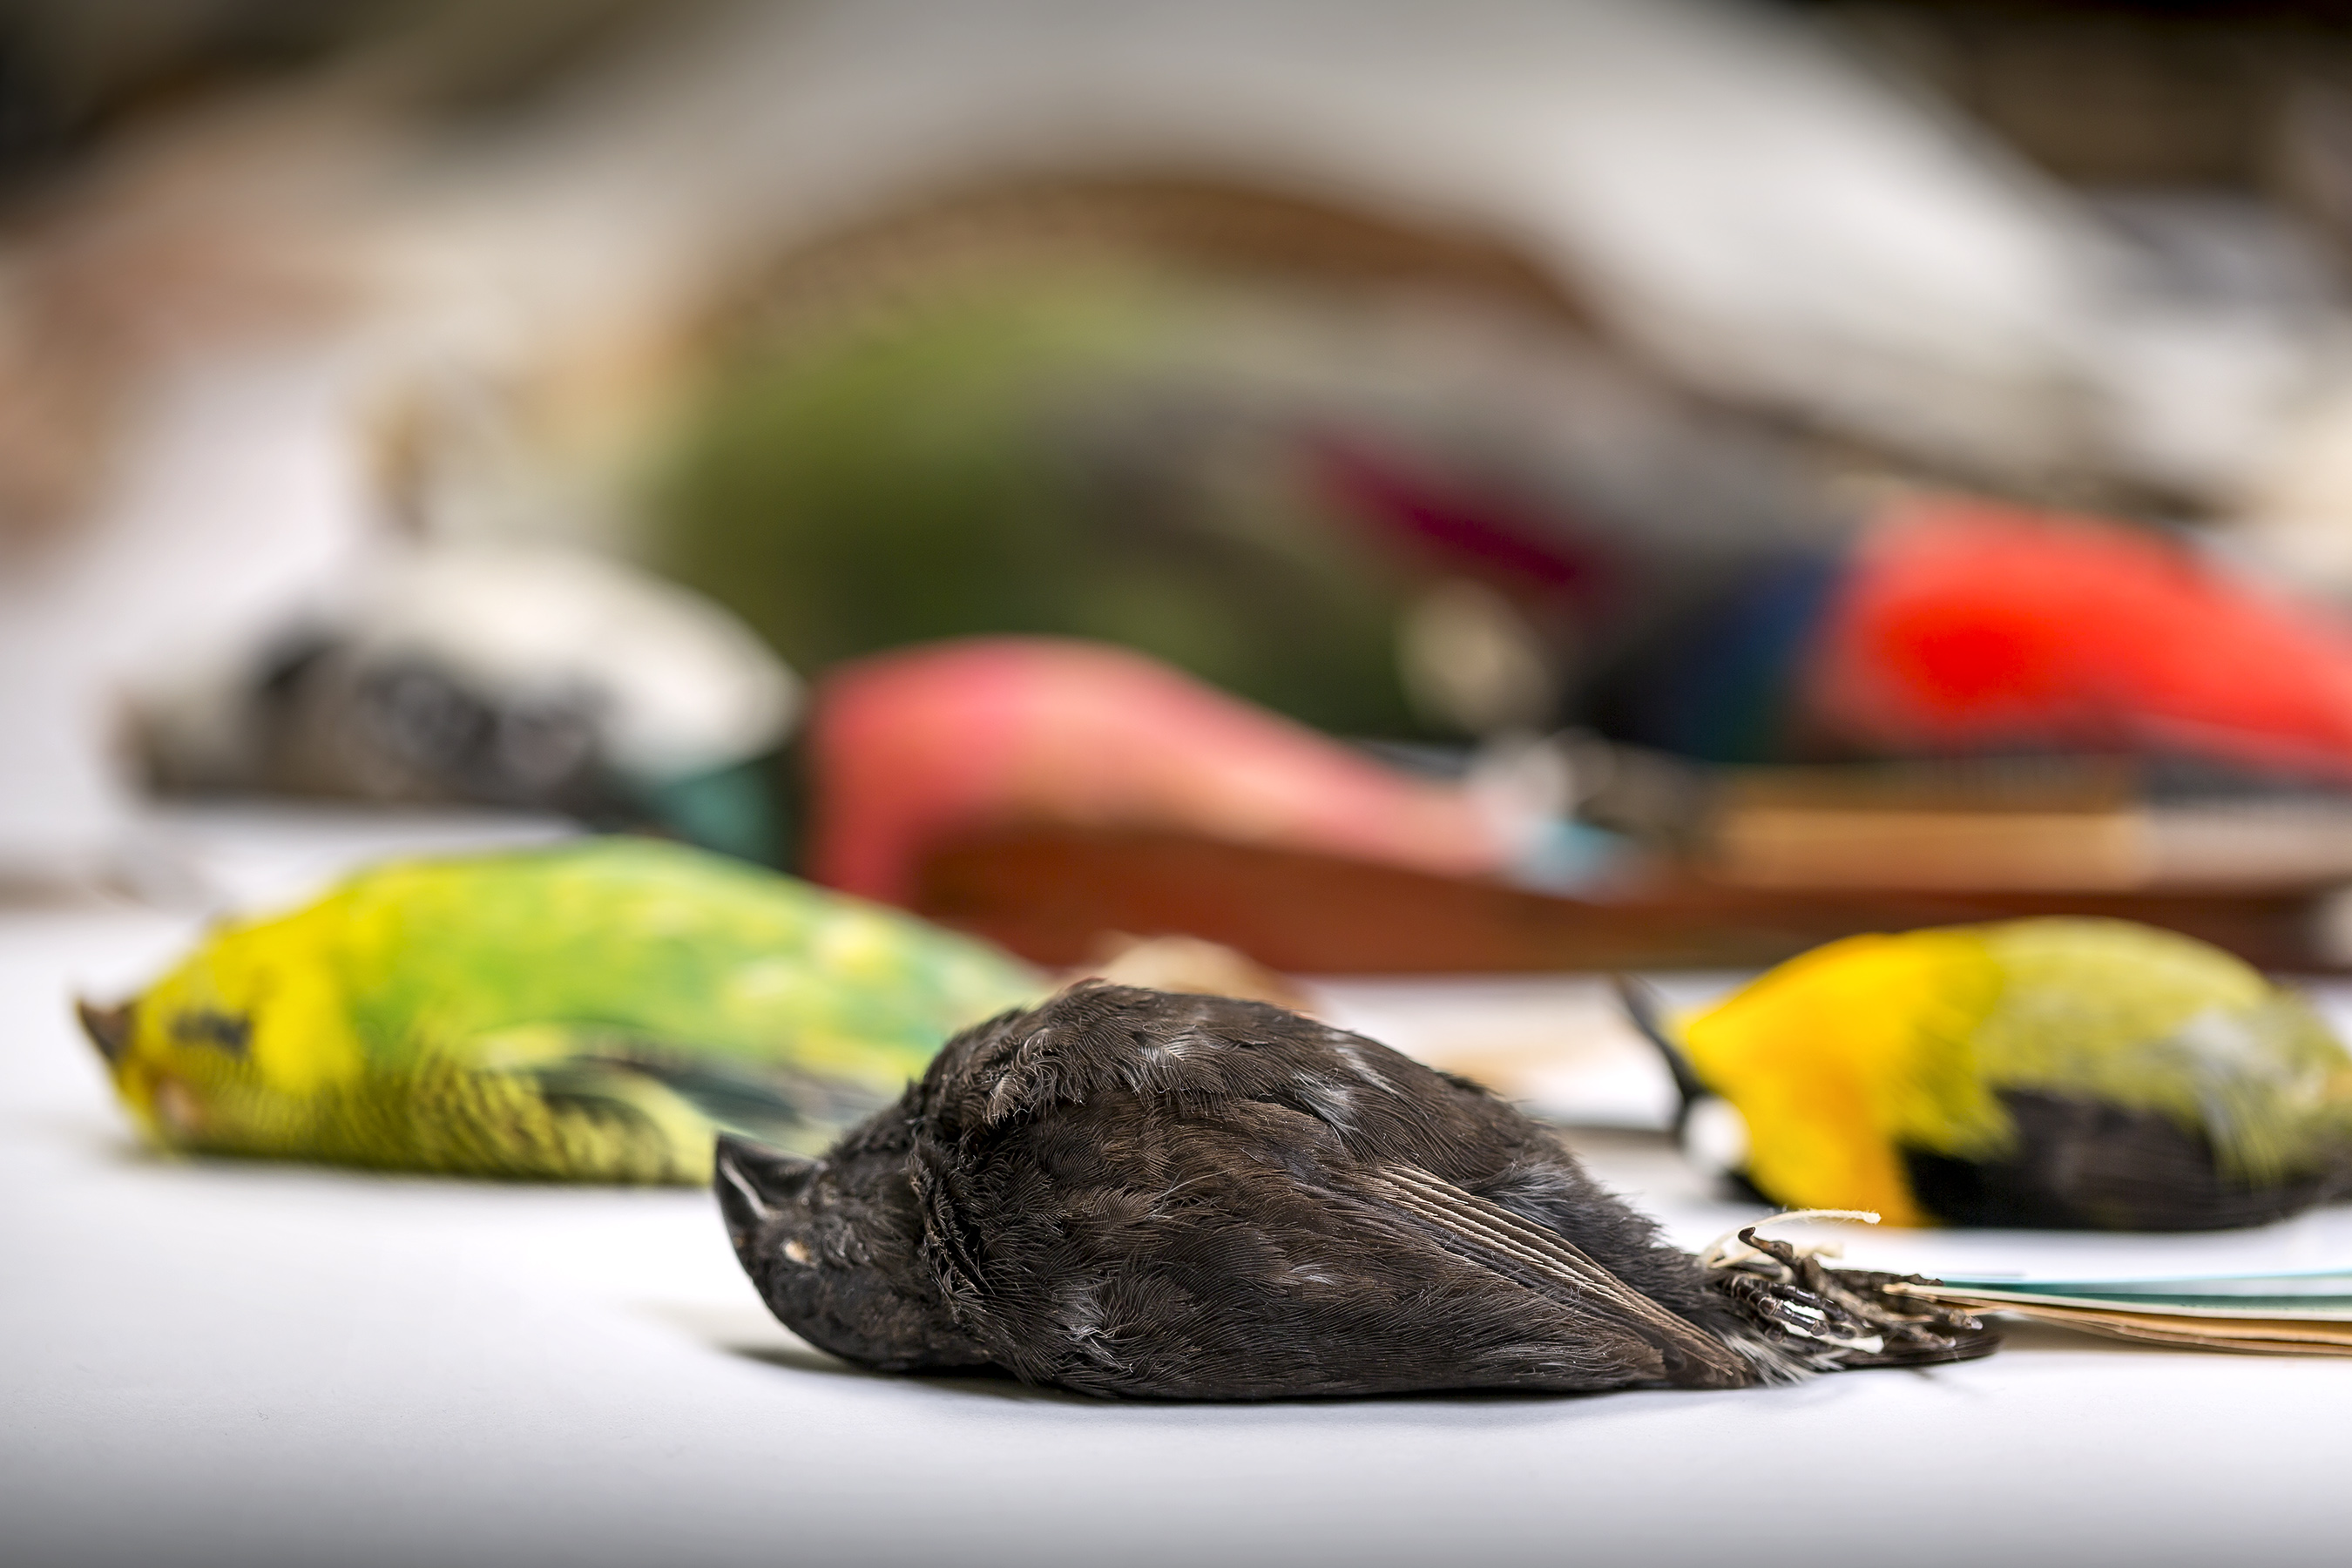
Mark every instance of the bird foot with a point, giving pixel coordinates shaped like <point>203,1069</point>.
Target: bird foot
<point>1840,1318</point>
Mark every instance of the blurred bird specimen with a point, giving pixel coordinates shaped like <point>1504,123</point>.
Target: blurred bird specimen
<point>1432,511</point>
<point>1128,1193</point>
<point>585,1012</point>
<point>509,674</point>
<point>915,748</point>
<point>1964,625</point>
<point>2059,1072</point>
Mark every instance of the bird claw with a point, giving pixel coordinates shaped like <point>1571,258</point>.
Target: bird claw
<point>1848,1311</point>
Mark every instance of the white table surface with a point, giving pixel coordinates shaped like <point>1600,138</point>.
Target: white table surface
<point>251,1364</point>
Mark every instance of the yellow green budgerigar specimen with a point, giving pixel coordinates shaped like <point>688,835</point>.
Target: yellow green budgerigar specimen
<point>584,1012</point>
<point>2057,1072</point>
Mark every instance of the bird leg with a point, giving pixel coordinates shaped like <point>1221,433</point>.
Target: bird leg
<point>1848,1311</point>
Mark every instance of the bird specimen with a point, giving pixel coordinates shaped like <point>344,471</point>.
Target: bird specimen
<point>512,674</point>
<point>2058,1072</point>
<point>911,748</point>
<point>587,1012</point>
<point>1124,1192</point>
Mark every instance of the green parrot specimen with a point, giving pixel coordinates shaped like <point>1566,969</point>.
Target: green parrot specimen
<point>2059,1072</point>
<point>586,1012</point>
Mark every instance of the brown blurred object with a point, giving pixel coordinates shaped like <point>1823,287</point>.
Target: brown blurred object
<point>1233,225</point>
<point>2061,827</point>
<point>221,180</point>
<point>1812,846</point>
<point>1190,965</point>
<point>2119,94</point>
<point>201,240</point>
<point>1045,893</point>
<point>1859,827</point>
<point>231,232</point>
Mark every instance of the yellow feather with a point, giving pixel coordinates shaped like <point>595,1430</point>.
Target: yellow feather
<point>1838,1057</point>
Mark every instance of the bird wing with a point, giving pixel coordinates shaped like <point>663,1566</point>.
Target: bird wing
<point>1546,1264</point>
<point>590,1109</point>
<point>1259,1259</point>
<point>1224,1285</point>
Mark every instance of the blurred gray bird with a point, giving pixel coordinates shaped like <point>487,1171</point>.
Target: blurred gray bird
<point>1125,1192</point>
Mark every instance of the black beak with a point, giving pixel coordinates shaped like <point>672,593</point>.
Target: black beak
<point>753,1182</point>
<point>109,1028</point>
<point>1641,1007</point>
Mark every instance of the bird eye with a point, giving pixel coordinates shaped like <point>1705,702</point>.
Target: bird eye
<point>224,1031</point>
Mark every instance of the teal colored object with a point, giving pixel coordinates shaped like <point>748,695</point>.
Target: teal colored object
<point>733,810</point>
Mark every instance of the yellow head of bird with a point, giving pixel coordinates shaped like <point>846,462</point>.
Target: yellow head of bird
<point>230,1051</point>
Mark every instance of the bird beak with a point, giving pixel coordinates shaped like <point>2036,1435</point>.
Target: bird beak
<point>753,1183</point>
<point>1647,1014</point>
<point>109,1028</point>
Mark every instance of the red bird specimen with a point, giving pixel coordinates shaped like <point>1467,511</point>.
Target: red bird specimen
<point>912,748</point>
<point>1966,626</point>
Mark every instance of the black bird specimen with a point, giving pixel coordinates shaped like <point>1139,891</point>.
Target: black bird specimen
<point>1126,1192</point>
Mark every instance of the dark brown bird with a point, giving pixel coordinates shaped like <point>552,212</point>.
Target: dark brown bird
<point>1125,1191</point>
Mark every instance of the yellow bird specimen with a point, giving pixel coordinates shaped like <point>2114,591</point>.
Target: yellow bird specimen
<point>2059,1072</point>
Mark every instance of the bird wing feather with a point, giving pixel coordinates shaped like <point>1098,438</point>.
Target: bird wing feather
<point>1542,1261</point>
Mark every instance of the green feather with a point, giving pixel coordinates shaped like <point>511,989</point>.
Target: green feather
<point>1089,450</point>
<point>2125,1014</point>
<point>589,1011</point>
